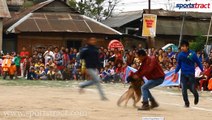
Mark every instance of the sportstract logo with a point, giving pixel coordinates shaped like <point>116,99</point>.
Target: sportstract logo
<point>194,6</point>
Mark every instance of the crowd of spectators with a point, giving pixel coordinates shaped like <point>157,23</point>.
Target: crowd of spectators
<point>56,63</point>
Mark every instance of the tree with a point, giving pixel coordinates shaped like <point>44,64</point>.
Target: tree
<point>198,43</point>
<point>97,9</point>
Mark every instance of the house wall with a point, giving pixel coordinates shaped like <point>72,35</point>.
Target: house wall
<point>33,40</point>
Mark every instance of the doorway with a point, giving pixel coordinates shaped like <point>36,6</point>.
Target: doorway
<point>74,44</point>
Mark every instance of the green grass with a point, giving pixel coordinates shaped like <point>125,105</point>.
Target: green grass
<point>45,83</point>
<point>52,83</point>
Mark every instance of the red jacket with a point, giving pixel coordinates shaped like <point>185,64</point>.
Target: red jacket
<point>151,69</point>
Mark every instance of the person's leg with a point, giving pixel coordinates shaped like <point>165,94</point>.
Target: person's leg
<point>146,93</point>
<point>94,75</point>
<point>4,74</point>
<point>149,85</point>
<point>192,88</point>
<point>184,84</point>
<point>22,69</point>
<point>11,77</point>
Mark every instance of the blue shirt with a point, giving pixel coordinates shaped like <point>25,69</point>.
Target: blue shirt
<point>186,62</point>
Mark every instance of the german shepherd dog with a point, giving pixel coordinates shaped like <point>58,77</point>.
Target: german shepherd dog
<point>134,92</point>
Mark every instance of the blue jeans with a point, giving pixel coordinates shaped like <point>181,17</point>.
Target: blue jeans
<point>96,81</point>
<point>188,82</point>
<point>149,85</point>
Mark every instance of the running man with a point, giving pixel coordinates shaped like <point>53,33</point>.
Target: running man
<point>186,62</point>
<point>91,56</point>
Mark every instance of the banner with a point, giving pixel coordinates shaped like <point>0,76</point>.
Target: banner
<point>192,5</point>
<point>149,25</point>
<point>168,81</point>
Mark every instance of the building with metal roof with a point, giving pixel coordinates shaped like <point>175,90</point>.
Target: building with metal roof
<point>168,24</point>
<point>4,13</point>
<point>54,23</point>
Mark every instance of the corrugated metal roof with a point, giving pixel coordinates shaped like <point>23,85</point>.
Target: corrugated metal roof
<point>4,12</point>
<point>123,18</point>
<point>30,20</point>
<point>166,13</point>
<point>173,27</point>
<point>60,22</point>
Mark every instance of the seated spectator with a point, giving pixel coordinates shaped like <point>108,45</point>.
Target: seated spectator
<point>106,74</point>
<point>42,74</point>
<point>46,68</point>
<point>74,72</point>
<point>38,64</point>
<point>6,65</point>
<point>118,72</point>
<point>171,54</point>
<point>58,74</point>
<point>51,73</point>
<point>12,71</point>
<point>51,64</point>
<point>66,74</point>
<point>207,75</point>
<point>32,75</point>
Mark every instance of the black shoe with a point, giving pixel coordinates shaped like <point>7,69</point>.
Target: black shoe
<point>196,100</point>
<point>145,106</point>
<point>154,104</point>
<point>187,105</point>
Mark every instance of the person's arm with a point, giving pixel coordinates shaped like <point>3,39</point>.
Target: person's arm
<point>83,53</point>
<point>197,61</point>
<point>178,63</point>
<point>45,53</point>
<point>141,72</point>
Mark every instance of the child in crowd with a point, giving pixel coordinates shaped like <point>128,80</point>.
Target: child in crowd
<point>106,74</point>
<point>12,71</point>
<point>118,72</point>
<point>66,74</point>
<point>17,61</point>
<point>42,74</point>
<point>58,74</point>
<point>38,64</point>
<point>51,73</point>
<point>74,72</point>
<point>32,74</point>
<point>6,65</point>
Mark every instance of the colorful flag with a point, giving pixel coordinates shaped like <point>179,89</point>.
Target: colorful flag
<point>168,81</point>
<point>128,71</point>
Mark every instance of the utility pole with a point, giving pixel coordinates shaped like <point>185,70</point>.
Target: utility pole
<point>209,30</point>
<point>182,28</point>
<point>150,41</point>
<point>1,33</point>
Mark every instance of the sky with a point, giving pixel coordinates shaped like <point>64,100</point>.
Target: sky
<point>133,5</point>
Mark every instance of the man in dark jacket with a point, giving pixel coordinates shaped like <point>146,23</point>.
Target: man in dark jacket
<point>91,56</point>
<point>152,70</point>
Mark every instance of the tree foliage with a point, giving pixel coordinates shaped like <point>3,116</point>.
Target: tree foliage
<point>198,43</point>
<point>97,9</point>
